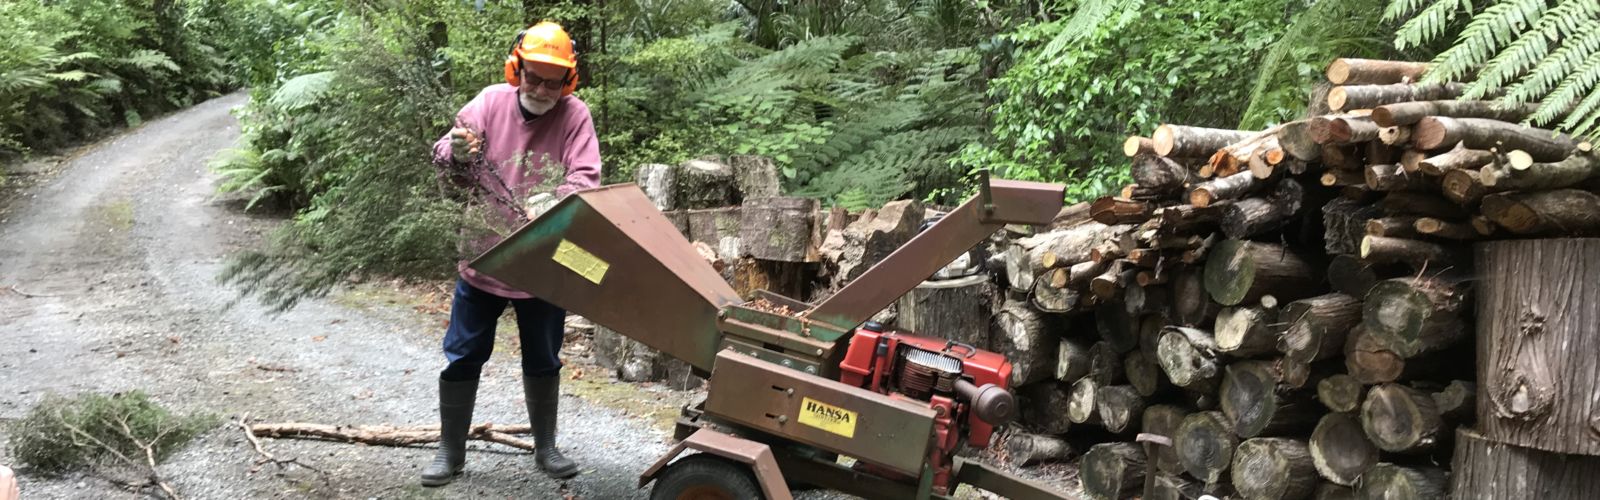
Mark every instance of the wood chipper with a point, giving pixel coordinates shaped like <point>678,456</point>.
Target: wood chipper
<point>795,390</point>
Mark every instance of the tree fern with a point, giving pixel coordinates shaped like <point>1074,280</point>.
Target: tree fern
<point>1549,71</point>
<point>1430,23</point>
<point>302,91</point>
<point>1532,46</point>
<point>1572,89</point>
<point>1327,29</point>
<point>1494,28</point>
<point>1085,19</point>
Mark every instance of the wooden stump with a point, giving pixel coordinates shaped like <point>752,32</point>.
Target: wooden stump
<point>1072,360</point>
<point>1024,449</point>
<point>789,279</point>
<point>1205,445</point>
<point>1318,325</point>
<point>1120,408</point>
<point>1273,468</point>
<point>1164,420</point>
<point>1173,487</point>
<point>1414,315</point>
<point>1483,468</point>
<point>780,229</point>
<point>1081,403</point>
<point>1393,482</point>
<point>705,184</point>
<point>1330,491</point>
<point>1538,332</point>
<point>1340,450</point>
<point>1025,337</point>
<point>1258,405</point>
<point>1192,305</point>
<point>1401,419</point>
<point>1351,71</point>
<point>1105,364</point>
<point>1245,332</point>
<point>1188,356</point>
<point>1561,212</point>
<point>956,309</point>
<point>1242,271</point>
<point>1144,373</point>
<point>1340,393</point>
<point>1113,471</point>
<point>659,183</point>
<point>755,176</point>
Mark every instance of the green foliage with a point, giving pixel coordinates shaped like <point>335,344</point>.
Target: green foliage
<point>1527,51</point>
<point>92,429</point>
<point>71,69</point>
<point>1080,84</point>
<point>1325,30</point>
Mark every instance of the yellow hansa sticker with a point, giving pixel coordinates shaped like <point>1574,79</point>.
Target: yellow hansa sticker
<point>580,261</point>
<point>828,417</point>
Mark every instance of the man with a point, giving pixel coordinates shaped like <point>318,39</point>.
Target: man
<point>504,143</point>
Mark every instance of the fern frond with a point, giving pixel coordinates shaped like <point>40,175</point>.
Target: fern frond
<point>1084,21</point>
<point>1430,23</point>
<point>302,91</point>
<point>1401,8</point>
<point>76,75</point>
<point>1495,27</point>
<point>150,59</point>
<point>1530,47</point>
<point>1549,71</point>
<point>1579,82</point>
<point>1581,122</point>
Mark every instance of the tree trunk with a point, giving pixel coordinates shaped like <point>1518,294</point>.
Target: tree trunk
<point>1349,71</point>
<point>1439,132</point>
<point>1349,275</point>
<point>1082,405</point>
<point>1330,491</point>
<point>1343,129</point>
<point>1173,487</point>
<point>1189,219</point>
<point>1573,170</point>
<point>1295,138</point>
<point>1258,405</point>
<point>1340,450</point>
<point>956,309</point>
<point>1072,360</point>
<point>1318,325</point>
<point>1369,361</point>
<point>1245,332</point>
<point>1256,215</point>
<point>1421,254</point>
<point>1273,468</point>
<point>1112,210</point>
<point>1108,285</point>
<point>1340,393</point>
<point>1400,419</point>
<point>1567,212</point>
<point>1231,187</point>
<point>1193,305</point>
<point>1044,407</point>
<point>1348,97</point>
<point>1442,229</point>
<point>789,279</point>
<point>1159,173</point>
<point>1395,136</point>
<point>1486,469</point>
<point>1024,449</point>
<point>1393,482</point>
<point>1144,373</point>
<point>1401,226</point>
<point>1135,146</point>
<point>705,184</point>
<point>1416,314</point>
<point>1205,445</point>
<point>1105,363</point>
<point>1407,113</point>
<point>1240,272</point>
<point>1344,224</point>
<point>1025,338</point>
<point>1455,159</point>
<point>1188,357</point>
<point>780,229</point>
<point>1391,177</point>
<point>719,228</point>
<point>1462,186</point>
<point>1052,299</point>
<point>1538,330</point>
<point>1179,140</point>
<point>1119,407</point>
<point>1164,421</point>
<point>1113,471</point>
<point>1343,177</point>
<point>1457,401</point>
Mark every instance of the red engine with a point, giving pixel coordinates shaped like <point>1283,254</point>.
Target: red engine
<point>968,388</point>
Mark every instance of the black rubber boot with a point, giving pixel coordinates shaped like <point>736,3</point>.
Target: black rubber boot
<point>544,395</point>
<point>455,418</point>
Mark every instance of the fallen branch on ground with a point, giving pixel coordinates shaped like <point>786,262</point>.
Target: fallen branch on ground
<point>388,435</point>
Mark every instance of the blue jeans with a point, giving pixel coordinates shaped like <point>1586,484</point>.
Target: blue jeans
<point>470,338</point>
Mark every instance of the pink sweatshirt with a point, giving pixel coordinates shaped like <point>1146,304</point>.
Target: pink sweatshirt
<point>565,134</point>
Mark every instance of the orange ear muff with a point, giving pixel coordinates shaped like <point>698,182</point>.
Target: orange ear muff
<point>572,82</point>
<point>513,76</point>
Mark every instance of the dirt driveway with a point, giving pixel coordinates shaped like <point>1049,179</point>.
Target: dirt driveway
<point>107,283</point>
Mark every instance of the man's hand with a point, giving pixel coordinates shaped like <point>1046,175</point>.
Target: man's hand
<point>464,143</point>
<point>540,203</point>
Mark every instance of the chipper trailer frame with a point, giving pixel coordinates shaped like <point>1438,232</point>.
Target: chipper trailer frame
<point>792,386</point>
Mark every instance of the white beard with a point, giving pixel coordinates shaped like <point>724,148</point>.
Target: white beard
<point>534,105</point>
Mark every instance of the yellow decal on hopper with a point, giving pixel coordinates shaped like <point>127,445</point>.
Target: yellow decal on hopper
<point>581,261</point>
<point>828,417</point>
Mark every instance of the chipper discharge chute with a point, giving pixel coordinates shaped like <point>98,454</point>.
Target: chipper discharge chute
<point>792,386</point>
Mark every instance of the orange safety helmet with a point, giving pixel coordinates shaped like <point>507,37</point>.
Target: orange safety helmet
<point>547,43</point>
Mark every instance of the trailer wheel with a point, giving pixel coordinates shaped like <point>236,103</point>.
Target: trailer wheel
<point>706,477</point>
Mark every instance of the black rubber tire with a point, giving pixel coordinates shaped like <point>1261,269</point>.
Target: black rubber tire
<point>705,477</point>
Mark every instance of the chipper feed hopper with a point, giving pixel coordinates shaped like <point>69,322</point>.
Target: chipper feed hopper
<point>795,390</point>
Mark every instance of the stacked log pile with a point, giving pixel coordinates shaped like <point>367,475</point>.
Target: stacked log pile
<point>1293,308</point>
